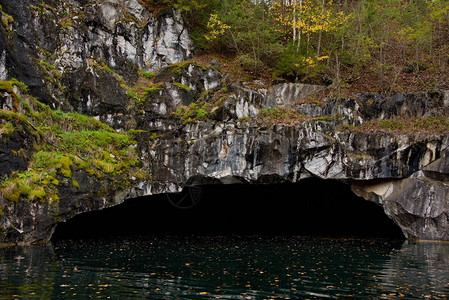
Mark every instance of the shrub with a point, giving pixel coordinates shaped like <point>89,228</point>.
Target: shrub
<point>249,63</point>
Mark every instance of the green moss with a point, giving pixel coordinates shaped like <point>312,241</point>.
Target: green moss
<point>102,192</point>
<point>245,119</point>
<point>47,65</point>
<point>52,196</point>
<point>194,112</point>
<point>403,125</point>
<point>8,87</point>
<point>128,20</point>
<point>182,86</point>
<point>105,67</point>
<point>105,166</point>
<point>279,115</point>
<point>63,143</point>
<point>155,136</point>
<point>197,111</point>
<point>12,194</point>
<point>45,159</point>
<point>152,88</point>
<point>26,107</point>
<point>37,194</point>
<point>64,166</point>
<point>147,75</point>
<point>176,68</point>
<point>326,118</point>
<point>13,116</point>
<point>75,184</point>
<point>24,189</point>
<point>91,141</point>
<point>49,79</point>
<point>66,24</point>
<point>22,87</point>
<point>6,130</point>
<point>90,172</point>
<point>101,65</point>
<point>48,7</point>
<point>138,175</point>
<point>6,19</point>
<point>391,124</point>
<point>319,103</point>
<point>80,163</point>
<point>80,122</point>
<point>36,8</point>
<point>132,94</point>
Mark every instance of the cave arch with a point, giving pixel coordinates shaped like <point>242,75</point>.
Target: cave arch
<point>310,207</point>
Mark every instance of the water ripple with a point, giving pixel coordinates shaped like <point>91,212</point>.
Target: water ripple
<point>226,268</point>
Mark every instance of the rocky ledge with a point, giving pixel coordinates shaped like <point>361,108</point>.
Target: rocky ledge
<point>390,150</point>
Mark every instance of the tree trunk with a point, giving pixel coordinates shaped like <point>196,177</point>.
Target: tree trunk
<point>299,26</point>
<point>294,21</point>
<point>320,33</point>
<point>319,44</point>
<point>235,42</point>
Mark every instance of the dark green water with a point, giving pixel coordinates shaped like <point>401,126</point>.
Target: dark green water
<point>231,267</point>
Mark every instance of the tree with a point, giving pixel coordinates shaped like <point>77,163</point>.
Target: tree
<point>242,27</point>
<point>343,38</point>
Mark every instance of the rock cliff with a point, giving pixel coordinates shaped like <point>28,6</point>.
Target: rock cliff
<point>174,123</point>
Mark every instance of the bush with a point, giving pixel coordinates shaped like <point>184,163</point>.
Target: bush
<point>299,65</point>
<point>249,63</point>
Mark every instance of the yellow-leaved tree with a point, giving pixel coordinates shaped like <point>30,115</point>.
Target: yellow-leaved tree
<point>215,27</point>
<point>297,18</point>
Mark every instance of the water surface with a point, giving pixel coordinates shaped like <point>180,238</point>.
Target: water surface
<point>225,267</point>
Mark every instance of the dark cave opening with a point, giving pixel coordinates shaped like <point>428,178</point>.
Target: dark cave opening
<point>311,207</point>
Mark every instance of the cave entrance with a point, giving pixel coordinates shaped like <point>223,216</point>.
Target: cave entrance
<point>311,207</point>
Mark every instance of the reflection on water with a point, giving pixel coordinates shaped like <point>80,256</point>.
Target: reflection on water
<point>421,270</point>
<point>227,268</point>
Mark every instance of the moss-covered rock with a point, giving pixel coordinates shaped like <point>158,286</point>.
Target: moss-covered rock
<point>6,20</point>
<point>65,154</point>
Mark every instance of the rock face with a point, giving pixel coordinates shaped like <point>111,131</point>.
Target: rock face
<point>404,173</point>
<point>54,46</point>
<point>199,128</point>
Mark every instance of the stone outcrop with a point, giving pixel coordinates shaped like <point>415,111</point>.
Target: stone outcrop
<point>54,46</point>
<point>404,173</point>
<point>196,127</point>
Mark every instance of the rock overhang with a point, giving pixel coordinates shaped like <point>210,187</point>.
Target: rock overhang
<point>222,136</point>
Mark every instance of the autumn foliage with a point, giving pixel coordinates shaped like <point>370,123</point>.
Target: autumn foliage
<point>377,45</point>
